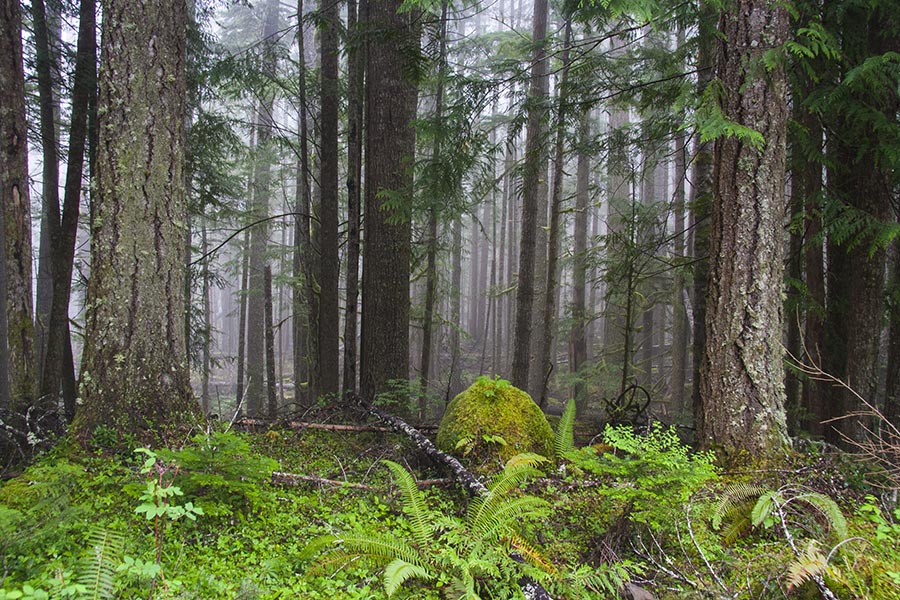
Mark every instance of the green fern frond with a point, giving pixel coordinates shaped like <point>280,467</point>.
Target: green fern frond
<point>316,546</point>
<point>484,511</point>
<point>735,498</point>
<point>505,518</point>
<point>565,436</point>
<point>97,568</point>
<point>398,571</point>
<point>809,564</point>
<point>414,505</point>
<point>737,526</point>
<point>829,509</point>
<point>375,549</point>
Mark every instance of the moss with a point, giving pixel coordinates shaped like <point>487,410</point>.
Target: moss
<point>491,422</point>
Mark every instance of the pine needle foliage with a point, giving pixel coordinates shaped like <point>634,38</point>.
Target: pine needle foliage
<point>469,557</point>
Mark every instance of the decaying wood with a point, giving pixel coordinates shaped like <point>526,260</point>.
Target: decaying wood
<point>294,479</point>
<point>246,422</point>
<point>468,481</point>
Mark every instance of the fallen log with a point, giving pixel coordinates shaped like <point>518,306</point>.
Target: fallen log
<point>531,589</point>
<point>247,422</point>
<point>294,479</point>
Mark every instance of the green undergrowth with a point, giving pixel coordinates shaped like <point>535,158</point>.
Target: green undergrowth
<point>206,521</point>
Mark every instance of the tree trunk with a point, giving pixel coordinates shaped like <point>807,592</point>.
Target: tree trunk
<point>390,148</point>
<point>580,267</point>
<point>355,76</point>
<point>259,232</point>
<point>679,315</point>
<point>134,377</point>
<point>701,202</point>
<point>810,180</point>
<point>892,385</point>
<point>535,168</point>
<point>50,185</point>
<point>454,381</point>
<point>19,366</point>
<point>742,376</point>
<point>271,384</point>
<point>63,232</point>
<point>207,322</point>
<point>550,289</point>
<point>242,323</point>
<point>431,251</point>
<point>329,263</point>
<point>305,257</point>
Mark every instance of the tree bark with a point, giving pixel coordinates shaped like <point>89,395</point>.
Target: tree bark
<point>19,364</point>
<point>44,68</point>
<point>355,77</point>
<point>535,168</point>
<point>390,148</point>
<point>134,377</point>
<point>742,376</point>
<point>329,263</point>
<point>64,228</point>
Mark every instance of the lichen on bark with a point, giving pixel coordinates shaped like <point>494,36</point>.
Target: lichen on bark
<point>742,372</point>
<point>134,376</point>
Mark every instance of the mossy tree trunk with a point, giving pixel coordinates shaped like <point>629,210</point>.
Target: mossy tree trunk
<point>19,384</point>
<point>742,375</point>
<point>134,376</point>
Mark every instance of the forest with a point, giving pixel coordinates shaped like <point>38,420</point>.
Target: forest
<point>464,299</point>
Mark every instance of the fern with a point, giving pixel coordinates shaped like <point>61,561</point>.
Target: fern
<point>485,512</point>
<point>414,505</point>
<point>829,509</point>
<point>565,437</point>
<point>97,568</point>
<point>398,571</point>
<point>735,498</point>
<point>810,563</point>
<point>468,554</point>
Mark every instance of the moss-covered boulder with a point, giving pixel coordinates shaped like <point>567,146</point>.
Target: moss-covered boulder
<point>491,422</point>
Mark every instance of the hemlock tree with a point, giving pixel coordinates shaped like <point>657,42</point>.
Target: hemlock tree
<point>329,262</point>
<point>18,382</point>
<point>535,165</point>
<point>742,374</point>
<point>134,376</point>
<point>391,53</point>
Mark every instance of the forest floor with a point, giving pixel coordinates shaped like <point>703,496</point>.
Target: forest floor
<point>211,520</point>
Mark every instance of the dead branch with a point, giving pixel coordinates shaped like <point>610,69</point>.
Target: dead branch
<point>301,425</point>
<point>295,479</point>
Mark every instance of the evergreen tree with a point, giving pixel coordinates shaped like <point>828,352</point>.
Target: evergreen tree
<point>134,377</point>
